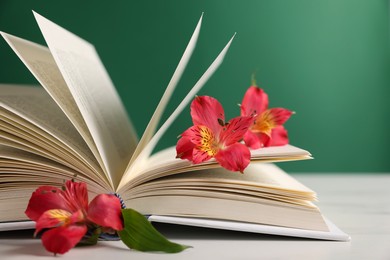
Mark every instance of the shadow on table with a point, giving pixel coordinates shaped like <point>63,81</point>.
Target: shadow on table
<point>173,231</point>
<point>17,234</point>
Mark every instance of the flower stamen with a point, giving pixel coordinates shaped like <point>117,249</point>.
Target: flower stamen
<point>208,143</point>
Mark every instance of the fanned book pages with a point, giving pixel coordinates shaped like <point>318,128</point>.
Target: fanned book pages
<point>59,129</point>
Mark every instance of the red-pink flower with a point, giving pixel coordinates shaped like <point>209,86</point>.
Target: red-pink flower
<point>267,128</point>
<point>210,137</point>
<point>67,216</point>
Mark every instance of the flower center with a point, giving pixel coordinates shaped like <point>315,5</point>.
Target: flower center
<point>208,142</point>
<point>62,216</point>
<point>264,123</point>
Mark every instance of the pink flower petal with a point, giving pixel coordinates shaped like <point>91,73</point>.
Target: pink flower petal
<point>45,198</point>
<point>279,115</point>
<point>207,111</point>
<point>184,148</point>
<point>105,210</point>
<point>265,139</point>
<point>205,143</point>
<point>252,140</point>
<point>255,101</point>
<point>279,136</point>
<point>61,239</point>
<point>235,130</point>
<point>197,133</point>
<point>234,158</point>
<point>53,218</point>
<point>270,119</point>
<point>76,195</point>
<point>199,156</point>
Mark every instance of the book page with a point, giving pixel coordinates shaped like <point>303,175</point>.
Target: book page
<point>334,232</point>
<point>167,157</point>
<point>22,172</point>
<point>30,113</point>
<point>142,161</point>
<point>151,127</point>
<point>94,94</point>
<point>40,62</point>
<point>260,212</point>
<point>22,144</point>
<point>165,163</point>
<point>258,177</point>
<point>264,194</point>
<point>21,167</point>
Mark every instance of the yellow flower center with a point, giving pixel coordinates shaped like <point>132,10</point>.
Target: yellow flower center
<point>208,142</point>
<point>63,216</point>
<point>264,123</point>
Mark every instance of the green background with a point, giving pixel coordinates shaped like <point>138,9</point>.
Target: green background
<point>326,60</point>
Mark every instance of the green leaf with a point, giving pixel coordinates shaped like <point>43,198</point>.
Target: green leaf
<point>139,234</point>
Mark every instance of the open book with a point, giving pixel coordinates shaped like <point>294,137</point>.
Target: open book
<point>74,124</point>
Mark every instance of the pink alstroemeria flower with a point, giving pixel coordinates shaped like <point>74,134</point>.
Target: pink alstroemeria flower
<point>267,128</point>
<point>210,137</point>
<point>67,215</point>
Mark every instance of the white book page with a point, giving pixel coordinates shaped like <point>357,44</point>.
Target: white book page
<point>259,177</point>
<point>36,114</point>
<point>334,232</point>
<point>165,163</point>
<point>94,94</point>
<point>19,168</point>
<point>22,173</point>
<point>17,225</point>
<point>151,127</point>
<point>141,162</point>
<point>40,62</point>
<point>260,212</point>
<point>260,181</point>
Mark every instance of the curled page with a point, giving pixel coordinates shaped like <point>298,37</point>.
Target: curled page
<point>151,127</point>
<point>94,94</point>
<point>135,168</point>
<point>41,64</point>
<point>210,71</point>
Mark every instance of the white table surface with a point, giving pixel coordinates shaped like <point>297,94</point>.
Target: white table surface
<point>357,204</point>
